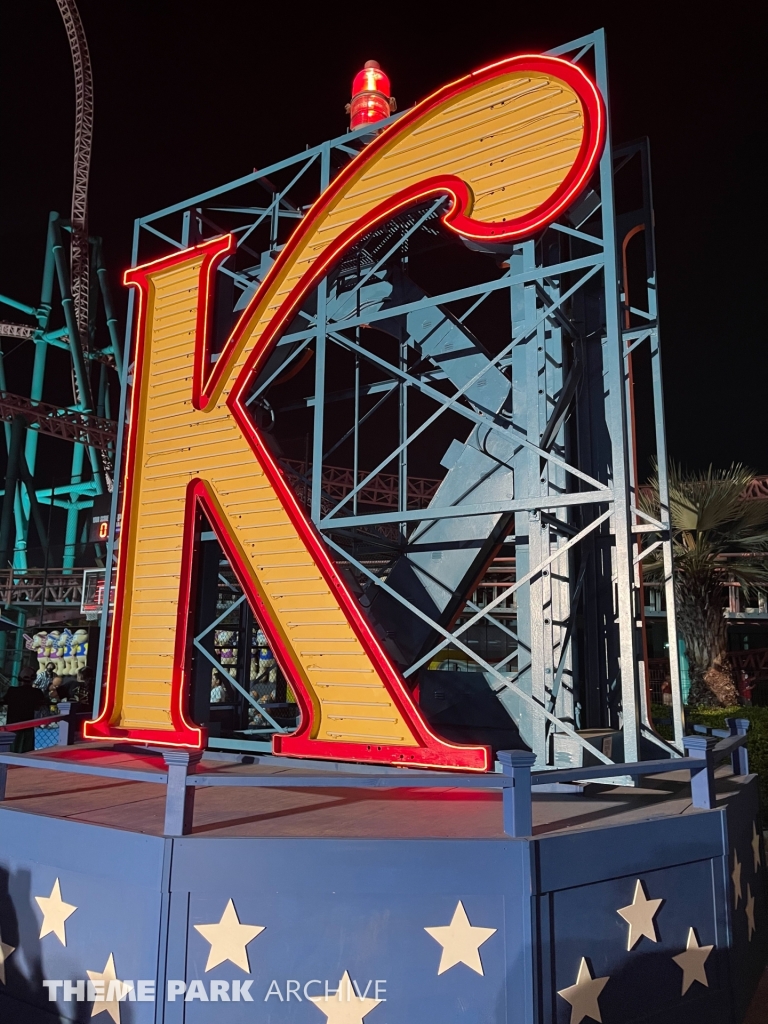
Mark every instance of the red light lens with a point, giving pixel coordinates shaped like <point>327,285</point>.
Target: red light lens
<point>366,108</point>
<point>370,97</point>
<point>371,80</point>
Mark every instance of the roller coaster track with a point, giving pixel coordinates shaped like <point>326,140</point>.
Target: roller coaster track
<point>49,419</point>
<point>79,266</point>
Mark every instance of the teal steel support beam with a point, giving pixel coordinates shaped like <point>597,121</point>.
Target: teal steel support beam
<point>20,559</point>
<point>70,533</point>
<point>109,311</point>
<point>30,445</point>
<point>10,495</point>
<point>75,346</point>
<point>21,306</point>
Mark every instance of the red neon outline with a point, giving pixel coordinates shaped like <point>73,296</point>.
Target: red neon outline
<point>440,753</point>
<point>188,734</point>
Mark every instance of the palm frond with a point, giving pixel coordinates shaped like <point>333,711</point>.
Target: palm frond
<point>754,513</point>
<point>707,502</point>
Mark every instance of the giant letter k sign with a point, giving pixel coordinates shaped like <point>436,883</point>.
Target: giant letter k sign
<point>510,146</point>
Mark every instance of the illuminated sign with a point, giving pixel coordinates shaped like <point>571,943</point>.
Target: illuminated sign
<point>98,532</point>
<point>92,600</point>
<point>510,146</point>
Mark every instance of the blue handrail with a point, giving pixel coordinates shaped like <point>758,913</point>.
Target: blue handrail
<point>515,780</point>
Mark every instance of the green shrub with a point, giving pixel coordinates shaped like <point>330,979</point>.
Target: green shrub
<point>660,712</point>
<point>714,718</point>
<point>757,737</point>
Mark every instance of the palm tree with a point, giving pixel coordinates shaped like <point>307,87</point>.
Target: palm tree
<point>718,538</point>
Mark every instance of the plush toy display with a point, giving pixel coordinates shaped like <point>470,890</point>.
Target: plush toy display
<point>67,650</point>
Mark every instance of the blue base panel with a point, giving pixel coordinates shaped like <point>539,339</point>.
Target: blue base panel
<point>660,921</point>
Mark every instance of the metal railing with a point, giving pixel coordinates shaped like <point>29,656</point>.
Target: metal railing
<point>516,780</point>
<point>51,587</point>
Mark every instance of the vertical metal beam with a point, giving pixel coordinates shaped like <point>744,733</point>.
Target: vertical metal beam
<point>617,422</point>
<point>662,457</point>
<point>11,478</point>
<point>678,718</point>
<point>523,311</point>
<point>557,583</point>
<point>356,425</point>
<point>70,530</point>
<point>402,459</point>
<point>83,397</point>
<point>19,518</point>
<point>109,567</point>
<point>319,410</point>
<point>109,311</point>
<point>320,353</point>
<point>18,647</point>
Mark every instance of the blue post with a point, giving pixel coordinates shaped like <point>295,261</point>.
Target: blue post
<point>703,779</point>
<point>6,742</point>
<point>740,756</point>
<point>66,732</point>
<point>179,797</point>
<point>518,818</point>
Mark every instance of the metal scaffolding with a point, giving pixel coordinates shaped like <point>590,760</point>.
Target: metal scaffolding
<point>461,425</point>
<point>33,494</point>
<point>87,421</point>
<point>44,519</point>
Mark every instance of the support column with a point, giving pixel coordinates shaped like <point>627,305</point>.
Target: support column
<point>179,797</point>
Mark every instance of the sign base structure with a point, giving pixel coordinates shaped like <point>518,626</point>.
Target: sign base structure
<point>404,906</point>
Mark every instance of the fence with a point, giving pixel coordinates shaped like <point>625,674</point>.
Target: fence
<point>516,780</point>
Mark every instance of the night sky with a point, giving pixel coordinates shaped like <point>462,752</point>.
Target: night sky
<point>189,96</point>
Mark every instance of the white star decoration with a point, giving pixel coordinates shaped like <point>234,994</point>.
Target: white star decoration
<point>460,941</point>
<point>750,909</point>
<point>584,995</point>
<point>692,962</point>
<point>736,878</point>
<point>639,915</point>
<point>756,846</point>
<point>5,952</point>
<point>55,913</point>
<point>346,1007</point>
<point>109,1003</point>
<point>228,939</point>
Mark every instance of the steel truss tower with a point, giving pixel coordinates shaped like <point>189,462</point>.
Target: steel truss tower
<point>36,574</point>
<point>87,421</point>
<point>33,494</point>
<point>509,593</point>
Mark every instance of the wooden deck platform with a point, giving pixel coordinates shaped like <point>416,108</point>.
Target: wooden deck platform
<point>449,813</point>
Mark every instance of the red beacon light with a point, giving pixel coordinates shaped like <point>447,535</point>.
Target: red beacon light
<point>371,99</point>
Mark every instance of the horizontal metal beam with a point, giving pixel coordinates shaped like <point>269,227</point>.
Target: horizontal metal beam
<point>309,155</point>
<point>57,765</point>
<point>49,419</point>
<point>530,276</point>
<point>482,509</point>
